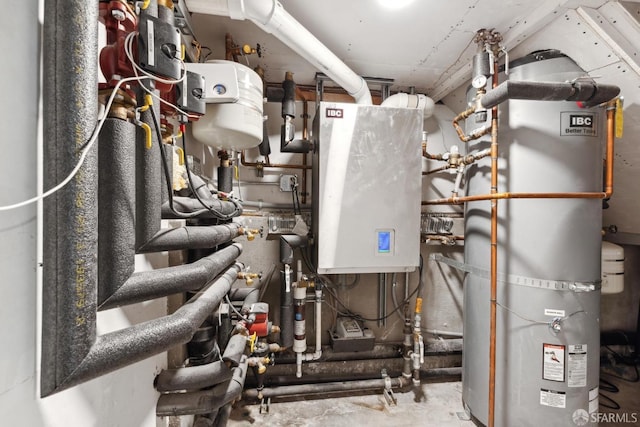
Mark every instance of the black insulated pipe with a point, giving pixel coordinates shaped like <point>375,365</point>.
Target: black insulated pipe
<point>191,237</point>
<point>70,48</point>
<point>117,349</point>
<point>188,205</point>
<point>225,179</point>
<point>159,283</point>
<point>588,92</point>
<point>193,377</point>
<point>333,387</point>
<point>204,402</point>
<point>116,197</point>
<point>286,309</point>
<point>309,388</point>
<point>149,180</point>
<point>234,350</point>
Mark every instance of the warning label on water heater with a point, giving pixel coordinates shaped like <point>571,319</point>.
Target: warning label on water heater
<point>553,362</point>
<point>555,399</point>
<point>577,365</point>
<point>578,124</point>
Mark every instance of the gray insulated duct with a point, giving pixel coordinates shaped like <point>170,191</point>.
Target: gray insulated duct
<point>79,237</point>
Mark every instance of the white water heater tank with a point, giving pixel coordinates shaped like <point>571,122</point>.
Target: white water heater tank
<point>233,118</point>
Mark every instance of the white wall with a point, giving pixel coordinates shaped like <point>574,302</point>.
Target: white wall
<point>124,398</point>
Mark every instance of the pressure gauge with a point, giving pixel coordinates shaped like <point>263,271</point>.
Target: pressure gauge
<point>479,81</point>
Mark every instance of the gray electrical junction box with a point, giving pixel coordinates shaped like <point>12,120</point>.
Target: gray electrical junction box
<point>367,180</point>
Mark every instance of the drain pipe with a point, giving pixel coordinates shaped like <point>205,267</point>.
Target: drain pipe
<point>207,401</point>
<point>271,17</point>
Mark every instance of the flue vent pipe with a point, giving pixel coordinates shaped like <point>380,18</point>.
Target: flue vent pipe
<point>271,17</point>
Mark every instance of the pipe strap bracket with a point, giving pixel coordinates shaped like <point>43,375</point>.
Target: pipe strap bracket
<point>513,279</point>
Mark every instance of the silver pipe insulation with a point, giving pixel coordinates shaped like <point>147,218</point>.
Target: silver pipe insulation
<point>206,401</point>
<point>586,91</point>
<point>193,377</point>
<point>117,349</point>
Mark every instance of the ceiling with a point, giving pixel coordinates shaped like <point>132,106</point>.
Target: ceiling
<point>422,43</point>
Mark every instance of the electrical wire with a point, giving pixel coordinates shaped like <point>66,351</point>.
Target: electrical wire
<point>611,404</point>
<point>349,313</point>
<point>538,322</point>
<point>128,50</point>
<point>219,215</point>
<point>83,152</point>
<point>235,310</point>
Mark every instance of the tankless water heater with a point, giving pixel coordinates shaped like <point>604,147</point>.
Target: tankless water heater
<point>367,188</point>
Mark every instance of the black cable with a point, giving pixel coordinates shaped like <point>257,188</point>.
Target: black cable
<point>167,176</point>
<point>353,315</point>
<point>613,404</point>
<point>608,386</point>
<point>217,214</point>
<point>165,168</point>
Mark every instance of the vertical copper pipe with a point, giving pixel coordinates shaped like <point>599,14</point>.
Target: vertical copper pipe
<point>494,255</point>
<point>611,110</point>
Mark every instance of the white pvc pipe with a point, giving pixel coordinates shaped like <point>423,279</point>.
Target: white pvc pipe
<point>405,100</point>
<point>271,17</point>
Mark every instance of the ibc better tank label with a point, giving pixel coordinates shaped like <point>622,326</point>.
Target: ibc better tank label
<point>574,123</point>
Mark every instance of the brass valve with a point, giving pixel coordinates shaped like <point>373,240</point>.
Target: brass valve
<point>248,277</point>
<point>251,232</point>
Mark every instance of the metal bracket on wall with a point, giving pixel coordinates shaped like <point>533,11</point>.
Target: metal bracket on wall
<point>513,279</point>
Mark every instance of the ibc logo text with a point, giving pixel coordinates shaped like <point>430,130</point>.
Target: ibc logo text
<point>335,113</point>
<point>581,121</point>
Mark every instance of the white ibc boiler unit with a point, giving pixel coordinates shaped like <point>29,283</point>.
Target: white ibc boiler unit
<point>548,293</point>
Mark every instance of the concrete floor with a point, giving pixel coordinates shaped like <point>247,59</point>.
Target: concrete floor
<point>439,407</point>
<point>628,397</point>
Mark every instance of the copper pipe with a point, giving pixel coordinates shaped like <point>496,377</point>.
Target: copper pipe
<point>608,185</point>
<point>498,196</point>
<point>462,116</point>
<point>611,136</point>
<point>268,164</point>
<point>473,135</point>
<point>494,254</point>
